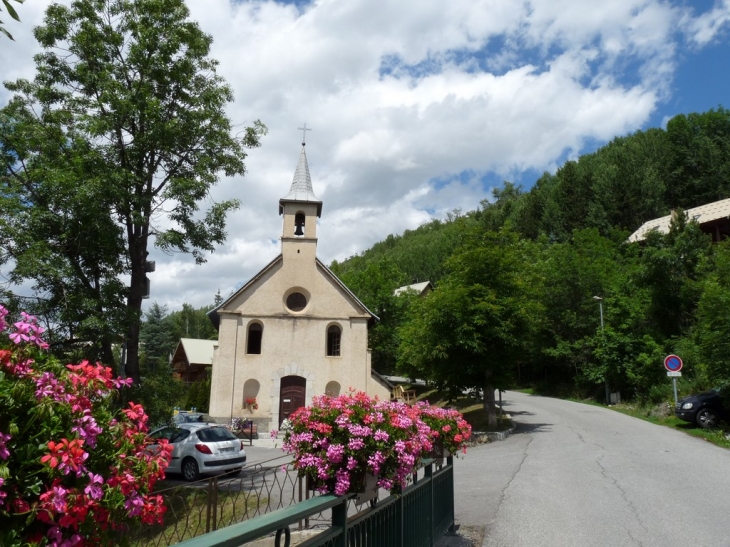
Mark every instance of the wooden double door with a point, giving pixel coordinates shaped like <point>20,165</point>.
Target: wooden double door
<point>292,395</point>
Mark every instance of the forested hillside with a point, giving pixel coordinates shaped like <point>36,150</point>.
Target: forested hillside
<point>516,278</point>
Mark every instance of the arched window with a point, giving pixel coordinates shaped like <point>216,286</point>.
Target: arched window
<point>334,336</point>
<point>299,224</point>
<point>332,389</point>
<point>250,393</point>
<point>255,332</point>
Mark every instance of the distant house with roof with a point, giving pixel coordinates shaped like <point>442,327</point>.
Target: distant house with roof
<point>713,218</point>
<point>421,289</point>
<point>294,330</point>
<point>193,359</point>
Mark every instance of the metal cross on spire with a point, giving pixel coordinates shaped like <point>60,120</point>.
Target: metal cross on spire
<point>304,133</point>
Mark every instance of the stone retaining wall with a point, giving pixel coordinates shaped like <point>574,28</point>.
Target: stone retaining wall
<point>483,437</point>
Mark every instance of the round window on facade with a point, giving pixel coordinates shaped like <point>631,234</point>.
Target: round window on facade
<point>296,301</point>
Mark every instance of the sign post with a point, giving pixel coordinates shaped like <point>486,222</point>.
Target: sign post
<point>673,364</point>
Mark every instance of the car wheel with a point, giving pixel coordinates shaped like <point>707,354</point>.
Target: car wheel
<point>234,472</point>
<point>190,470</point>
<point>707,418</point>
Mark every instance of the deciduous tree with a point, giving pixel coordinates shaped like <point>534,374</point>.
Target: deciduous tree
<point>469,331</point>
<point>112,146</point>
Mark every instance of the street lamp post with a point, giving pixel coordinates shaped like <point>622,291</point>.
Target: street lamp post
<point>605,378</point>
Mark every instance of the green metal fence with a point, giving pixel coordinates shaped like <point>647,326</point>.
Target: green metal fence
<point>417,518</point>
<point>194,509</point>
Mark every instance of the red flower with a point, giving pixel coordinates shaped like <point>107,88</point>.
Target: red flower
<point>54,456</point>
<point>153,510</point>
<point>67,456</point>
<point>136,414</point>
<point>20,506</point>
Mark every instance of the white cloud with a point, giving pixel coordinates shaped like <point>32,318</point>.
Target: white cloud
<point>706,27</point>
<point>482,87</point>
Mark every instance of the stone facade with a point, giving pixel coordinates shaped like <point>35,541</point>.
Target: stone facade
<point>293,331</point>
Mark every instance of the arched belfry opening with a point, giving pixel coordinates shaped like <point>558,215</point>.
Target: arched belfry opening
<point>299,221</point>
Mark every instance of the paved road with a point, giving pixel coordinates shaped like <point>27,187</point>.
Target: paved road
<point>579,475</point>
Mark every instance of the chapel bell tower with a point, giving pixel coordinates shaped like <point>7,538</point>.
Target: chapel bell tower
<point>300,208</point>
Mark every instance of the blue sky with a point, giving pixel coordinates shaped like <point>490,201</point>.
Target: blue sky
<point>418,110</point>
<point>702,82</point>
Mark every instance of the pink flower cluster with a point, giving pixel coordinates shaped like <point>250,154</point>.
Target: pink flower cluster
<point>448,427</point>
<point>337,440</point>
<point>27,330</point>
<point>4,438</point>
<point>95,470</point>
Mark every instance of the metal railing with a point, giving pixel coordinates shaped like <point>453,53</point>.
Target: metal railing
<point>204,506</point>
<point>418,517</point>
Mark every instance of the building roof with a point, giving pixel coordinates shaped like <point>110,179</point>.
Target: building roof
<point>214,315</point>
<point>381,379</point>
<point>397,380</point>
<point>301,186</point>
<point>337,280</point>
<point>196,351</point>
<point>420,288</point>
<point>702,215</point>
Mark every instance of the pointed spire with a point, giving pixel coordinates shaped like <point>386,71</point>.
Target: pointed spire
<point>301,186</point>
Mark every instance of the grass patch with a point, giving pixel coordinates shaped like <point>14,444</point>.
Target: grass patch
<point>591,402</point>
<point>187,515</point>
<point>650,414</point>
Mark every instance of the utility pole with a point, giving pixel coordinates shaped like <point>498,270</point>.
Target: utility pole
<point>603,336</point>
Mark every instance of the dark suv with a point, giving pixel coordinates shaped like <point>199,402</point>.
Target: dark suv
<point>704,409</point>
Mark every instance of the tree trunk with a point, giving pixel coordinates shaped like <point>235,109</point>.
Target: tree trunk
<point>138,255</point>
<point>106,354</point>
<point>489,404</point>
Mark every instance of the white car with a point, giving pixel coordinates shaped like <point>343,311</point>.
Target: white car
<point>199,448</point>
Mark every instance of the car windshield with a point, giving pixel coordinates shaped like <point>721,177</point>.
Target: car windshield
<point>215,434</point>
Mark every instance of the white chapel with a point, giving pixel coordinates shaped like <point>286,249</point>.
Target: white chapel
<point>293,331</point>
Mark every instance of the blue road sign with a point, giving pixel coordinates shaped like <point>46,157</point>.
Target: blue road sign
<point>672,363</point>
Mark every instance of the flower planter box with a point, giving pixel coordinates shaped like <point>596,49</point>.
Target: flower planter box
<point>438,453</point>
<point>370,490</point>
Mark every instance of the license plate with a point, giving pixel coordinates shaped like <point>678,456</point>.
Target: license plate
<point>227,449</point>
